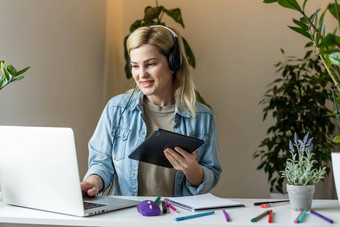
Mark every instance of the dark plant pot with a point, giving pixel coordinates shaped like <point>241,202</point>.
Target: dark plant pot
<point>300,197</point>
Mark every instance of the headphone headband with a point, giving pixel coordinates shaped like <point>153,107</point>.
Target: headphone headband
<point>162,26</point>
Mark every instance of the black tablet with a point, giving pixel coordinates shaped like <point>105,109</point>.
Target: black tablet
<point>152,149</point>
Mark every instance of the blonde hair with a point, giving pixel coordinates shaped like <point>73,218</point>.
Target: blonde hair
<point>184,88</point>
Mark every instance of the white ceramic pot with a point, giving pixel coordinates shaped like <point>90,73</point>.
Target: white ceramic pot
<point>336,172</point>
<point>300,197</point>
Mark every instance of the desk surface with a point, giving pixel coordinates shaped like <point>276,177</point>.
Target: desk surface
<point>283,216</point>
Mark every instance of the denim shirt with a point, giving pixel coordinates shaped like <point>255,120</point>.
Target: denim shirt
<point>121,129</point>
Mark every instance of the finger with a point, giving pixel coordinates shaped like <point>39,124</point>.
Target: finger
<point>169,155</point>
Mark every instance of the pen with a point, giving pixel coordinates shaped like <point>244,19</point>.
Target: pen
<point>266,205</point>
<point>297,218</point>
<point>171,207</point>
<point>193,216</point>
<point>164,208</point>
<point>260,216</point>
<point>226,216</point>
<point>157,199</point>
<point>302,216</point>
<point>270,216</point>
<point>279,201</point>
<point>321,216</point>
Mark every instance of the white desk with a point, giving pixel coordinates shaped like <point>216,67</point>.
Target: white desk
<point>283,216</point>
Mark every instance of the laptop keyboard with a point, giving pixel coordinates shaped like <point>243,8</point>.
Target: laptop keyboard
<point>88,205</point>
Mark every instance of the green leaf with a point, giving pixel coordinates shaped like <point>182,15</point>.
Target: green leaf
<point>188,52</point>
<point>12,70</point>
<point>304,5</point>
<point>332,9</point>
<point>282,51</point>
<point>302,25</point>
<point>269,1</point>
<point>3,81</point>
<point>5,72</point>
<point>329,41</point>
<point>152,13</point>
<point>18,78</point>
<point>335,58</point>
<point>291,4</point>
<point>336,139</point>
<point>136,24</point>
<point>175,14</point>
<point>22,71</point>
<point>301,31</point>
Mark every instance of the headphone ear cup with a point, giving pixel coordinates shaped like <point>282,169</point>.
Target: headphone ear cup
<point>175,57</point>
<point>130,65</point>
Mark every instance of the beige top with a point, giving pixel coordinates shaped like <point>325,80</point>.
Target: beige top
<point>155,180</point>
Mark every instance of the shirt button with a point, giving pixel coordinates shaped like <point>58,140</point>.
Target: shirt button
<point>134,194</point>
<point>133,174</point>
<point>143,133</point>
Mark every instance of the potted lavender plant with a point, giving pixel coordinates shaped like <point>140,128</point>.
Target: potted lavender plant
<point>300,173</point>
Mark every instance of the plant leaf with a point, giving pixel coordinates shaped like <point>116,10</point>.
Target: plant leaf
<point>12,70</point>
<point>188,52</point>
<point>291,4</point>
<point>175,14</point>
<point>152,13</point>
<point>336,139</point>
<point>269,1</point>
<point>335,58</point>
<point>23,71</point>
<point>332,9</point>
<point>5,72</point>
<point>301,31</point>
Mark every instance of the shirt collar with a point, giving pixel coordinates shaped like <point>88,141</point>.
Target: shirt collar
<point>139,105</point>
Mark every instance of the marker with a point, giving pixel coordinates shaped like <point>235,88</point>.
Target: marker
<point>279,201</point>
<point>157,199</point>
<point>300,219</point>
<point>297,218</point>
<point>267,205</point>
<point>171,207</point>
<point>321,216</point>
<point>194,216</point>
<point>260,216</point>
<point>164,208</point>
<point>226,216</point>
<point>270,216</point>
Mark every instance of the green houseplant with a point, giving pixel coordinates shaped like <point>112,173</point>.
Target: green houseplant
<point>326,44</point>
<point>153,16</point>
<point>301,173</point>
<point>297,102</point>
<point>10,74</point>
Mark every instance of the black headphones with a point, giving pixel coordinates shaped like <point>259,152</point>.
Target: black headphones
<point>175,55</point>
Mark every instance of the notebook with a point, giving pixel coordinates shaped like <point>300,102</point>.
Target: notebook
<point>39,170</point>
<point>202,202</point>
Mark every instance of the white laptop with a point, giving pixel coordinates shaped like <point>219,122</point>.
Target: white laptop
<point>336,172</point>
<point>39,170</point>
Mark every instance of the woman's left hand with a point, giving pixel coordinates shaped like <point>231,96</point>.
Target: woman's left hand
<point>180,159</point>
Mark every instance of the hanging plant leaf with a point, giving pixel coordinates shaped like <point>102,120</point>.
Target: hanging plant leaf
<point>176,15</point>
<point>152,13</point>
<point>190,55</point>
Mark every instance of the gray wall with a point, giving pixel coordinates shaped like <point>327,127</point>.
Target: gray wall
<point>64,43</point>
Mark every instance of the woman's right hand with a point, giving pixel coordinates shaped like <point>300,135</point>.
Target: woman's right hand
<point>92,185</point>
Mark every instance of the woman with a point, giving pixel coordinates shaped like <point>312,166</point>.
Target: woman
<point>164,97</point>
